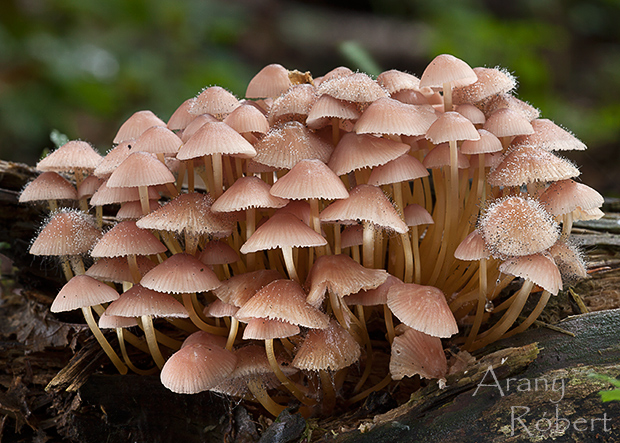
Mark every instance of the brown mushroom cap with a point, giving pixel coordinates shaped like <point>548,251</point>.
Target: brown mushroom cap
<point>446,68</point>
<point>197,368</point>
<point>389,116</point>
<point>181,117</point>
<point>491,81</point>
<point>451,126</point>
<point>341,275</point>
<point>67,232</point>
<point>73,155</point>
<point>357,87</point>
<point>139,301</point>
<point>158,140</point>
<point>216,138</point>
<point>271,81</point>
<point>506,122</point>
<point>550,137</point>
<point>82,291</point>
<point>527,164</point>
<point>332,348</point>
<point>214,100</point>
<point>538,268</point>
<point>126,239</point>
<point>423,308</point>
<point>140,169</point>
<point>283,300</point>
<point>135,125</point>
<point>284,146</point>
<point>245,193</point>
<point>363,151</point>
<point>472,248</point>
<point>189,213</point>
<point>516,226</point>
<point>282,230</point>
<point>414,352</point>
<point>565,196</point>
<point>48,186</point>
<point>403,168</point>
<point>180,273</point>
<point>310,179</point>
<point>394,81</point>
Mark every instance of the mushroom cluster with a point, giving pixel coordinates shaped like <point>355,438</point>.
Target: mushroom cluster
<point>290,238</point>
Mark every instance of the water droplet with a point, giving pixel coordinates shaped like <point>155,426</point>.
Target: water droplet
<point>488,306</point>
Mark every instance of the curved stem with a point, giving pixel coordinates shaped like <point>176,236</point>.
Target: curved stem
<point>362,395</point>
<point>482,298</point>
<point>121,341</point>
<point>234,327</point>
<point>287,252</point>
<point>195,317</point>
<point>542,302</point>
<point>103,342</point>
<point>151,340</point>
<point>258,390</point>
<point>288,384</point>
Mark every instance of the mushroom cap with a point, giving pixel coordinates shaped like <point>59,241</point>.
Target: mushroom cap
<point>446,68</point>
<point>133,210</point>
<point>309,179</point>
<point>491,81</point>
<point>357,87</point>
<point>245,193</point>
<point>216,138</point>
<point>189,213</point>
<point>439,157</point>
<point>423,308</point>
<point>506,122</point>
<point>341,275</point>
<point>538,268</point>
<point>487,143</point>
<point>82,291</point>
<point>135,125</point>
<point>214,100</point>
<point>283,300</point>
<point>565,196</point>
<point>195,125</point>
<point>268,329</point>
<point>451,126</point>
<point>217,252</point>
<point>247,118</point>
<point>550,137</point>
<point>373,297</point>
<point>401,169</point>
<point>472,248</point>
<point>181,117</point>
<point>113,158</point>
<point>414,352</point>
<point>106,195</point>
<point>471,113</point>
<point>238,289</point>
<point>388,116</point>
<point>116,269</point>
<point>127,239</point>
<point>140,169</point>
<point>280,231</point>
<point>271,81</point>
<point>48,186</point>
<point>180,274</point>
<point>527,164</point>
<point>416,215</point>
<point>73,155</point>
<point>329,349</point>
<point>366,203</point>
<point>89,186</point>
<point>363,151</point>
<point>107,321</point>
<point>327,107</point>
<point>394,81</point>
<point>67,232</point>
<point>516,226</point>
<point>158,140</point>
<point>139,301</point>
<point>285,145</point>
<point>569,260</point>
<point>197,368</point>
<point>294,104</point>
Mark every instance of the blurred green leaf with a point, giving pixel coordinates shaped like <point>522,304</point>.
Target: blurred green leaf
<point>58,138</point>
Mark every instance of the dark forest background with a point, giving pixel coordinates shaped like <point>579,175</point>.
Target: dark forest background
<point>82,67</point>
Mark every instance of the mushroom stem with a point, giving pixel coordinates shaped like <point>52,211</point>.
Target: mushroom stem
<point>415,246</point>
<point>121,340</point>
<point>151,340</point>
<point>287,252</point>
<point>195,317</point>
<point>362,395</point>
<point>329,394</point>
<point>66,268</point>
<point>144,199</point>
<point>133,268</point>
<point>482,298</point>
<point>232,335</point>
<point>218,176</point>
<point>105,345</point>
<point>368,245</point>
<point>508,319</point>
<point>542,302</point>
<point>258,390</point>
<point>288,384</point>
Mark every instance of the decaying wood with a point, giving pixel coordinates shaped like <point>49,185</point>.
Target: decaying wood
<point>87,402</point>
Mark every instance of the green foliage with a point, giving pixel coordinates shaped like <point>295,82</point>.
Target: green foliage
<point>610,395</point>
<point>58,138</point>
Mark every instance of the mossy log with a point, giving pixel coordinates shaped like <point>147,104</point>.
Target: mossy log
<point>86,403</point>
